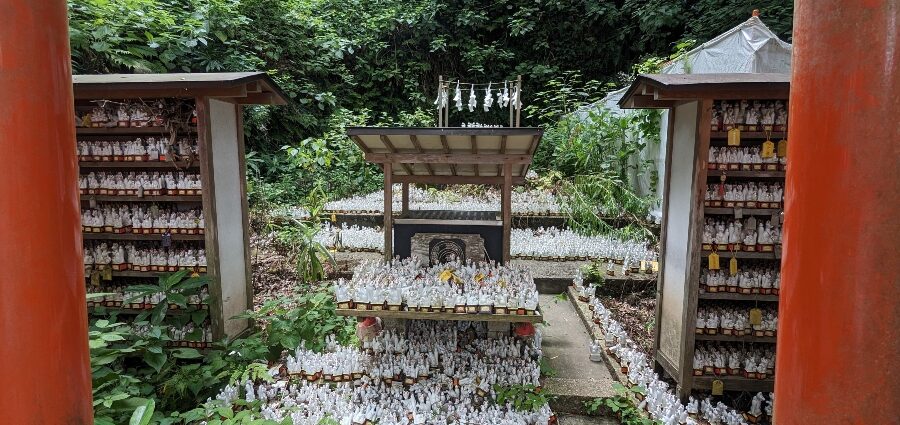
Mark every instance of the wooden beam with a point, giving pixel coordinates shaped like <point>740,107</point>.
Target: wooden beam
<point>254,87</point>
<point>474,147</point>
<point>390,146</point>
<point>388,213</point>
<point>646,102</point>
<point>257,99</point>
<point>418,146</point>
<point>106,93</point>
<point>447,150</point>
<point>437,158</point>
<point>362,145</point>
<point>404,205</point>
<point>437,179</point>
<point>506,209</point>
<point>534,143</point>
<point>502,151</point>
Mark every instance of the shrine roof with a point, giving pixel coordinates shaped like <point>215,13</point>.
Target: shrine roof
<point>665,90</point>
<point>450,155</point>
<point>243,87</point>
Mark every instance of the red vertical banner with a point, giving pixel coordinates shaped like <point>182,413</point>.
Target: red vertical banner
<point>45,375</point>
<point>839,318</point>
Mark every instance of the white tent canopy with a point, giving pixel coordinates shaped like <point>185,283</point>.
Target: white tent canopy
<point>750,47</point>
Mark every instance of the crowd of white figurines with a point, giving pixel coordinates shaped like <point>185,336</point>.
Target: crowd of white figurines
<point>351,238</point>
<point>660,400</point>
<point>745,115</point>
<point>186,335</point>
<point>137,114</point>
<point>453,287</point>
<point>122,295</point>
<point>727,319</point>
<point>542,243</point>
<point>143,257</point>
<point>562,244</point>
<point>527,202</point>
<point>433,372</point>
<point>747,234</point>
<point>750,279</point>
<point>139,183</point>
<point>744,195</point>
<point>732,359</point>
<point>743,158</point>
<point>140,218</point>
<point>138,149</point>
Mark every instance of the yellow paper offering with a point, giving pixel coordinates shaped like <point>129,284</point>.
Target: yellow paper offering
<point>445,275</point>
<point>782,148</point>
<point>734,137</point>
<point>768,149</point>
<point>714,261</point>
<point>732,267</point>
<point>718,387</point>
<point>755,316</point>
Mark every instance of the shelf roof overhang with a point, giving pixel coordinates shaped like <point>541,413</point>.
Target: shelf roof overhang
<point>241,87</point>
<point>449,155</point>
<point>666,90</point>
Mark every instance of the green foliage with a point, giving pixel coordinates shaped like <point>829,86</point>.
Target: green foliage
<point>242,413</point>
<point>594,273</point>
<point>136,377</point>
<point>596,156</point>
<point>523,398</point>
<point>302,317</point>
<point>546,370</point>
<point>622,405</point>
<point>342,61</point>
<point>307,254</point>
<point>175,289</point>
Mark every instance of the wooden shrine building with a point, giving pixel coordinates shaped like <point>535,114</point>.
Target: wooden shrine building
<point>499,156</point>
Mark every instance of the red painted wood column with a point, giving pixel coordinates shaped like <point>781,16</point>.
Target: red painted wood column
<point>45,375</point>
<point>839,330</point>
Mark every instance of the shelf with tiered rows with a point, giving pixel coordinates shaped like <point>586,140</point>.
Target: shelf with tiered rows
<point>534,317</point>
<point>765,172</point>
<point>99,277</point>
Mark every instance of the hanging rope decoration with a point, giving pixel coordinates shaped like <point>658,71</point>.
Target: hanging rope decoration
<point>505,98</point>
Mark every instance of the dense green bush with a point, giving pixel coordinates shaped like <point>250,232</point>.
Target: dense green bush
<point>343,61</point>
<point>138,375</point>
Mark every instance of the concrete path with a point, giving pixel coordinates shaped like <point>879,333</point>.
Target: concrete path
<point>576,379</point>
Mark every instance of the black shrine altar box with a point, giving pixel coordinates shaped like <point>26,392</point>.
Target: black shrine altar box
<point>450,235</point>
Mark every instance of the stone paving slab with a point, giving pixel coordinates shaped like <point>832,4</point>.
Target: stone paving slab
<point>576,379</point>
<point>586,420</point>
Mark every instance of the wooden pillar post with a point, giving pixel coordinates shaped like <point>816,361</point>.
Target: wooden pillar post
<point>45,371</point>
<point>518,101</point>
<point>405,204</point>
<point>506,209</point>
<point>388,212</point>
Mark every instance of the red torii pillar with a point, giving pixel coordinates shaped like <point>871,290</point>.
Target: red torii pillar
<point>839,330</point>
<point>45,375</point>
